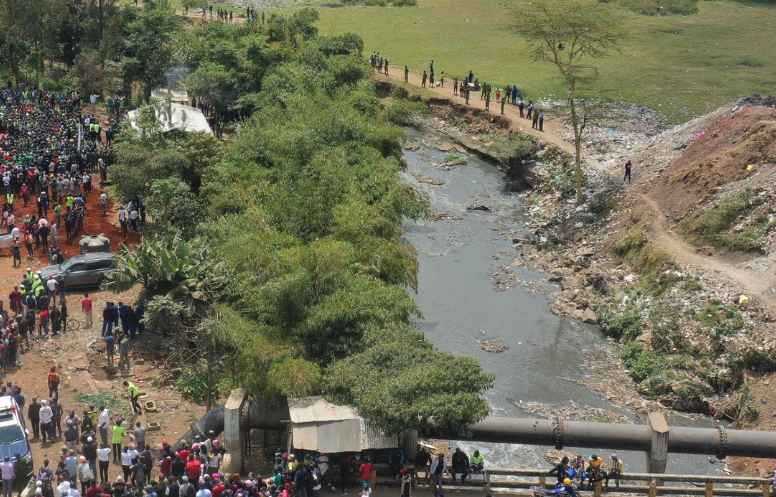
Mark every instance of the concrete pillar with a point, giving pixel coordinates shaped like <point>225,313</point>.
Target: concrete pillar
<point>409,442</point>
<point>658,451</point>
<point>233,436</point>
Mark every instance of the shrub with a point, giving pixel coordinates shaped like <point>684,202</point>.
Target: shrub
<point>192,384</point>
<point>625,323</point>
<point>641,363</point>
<point>712,226</point>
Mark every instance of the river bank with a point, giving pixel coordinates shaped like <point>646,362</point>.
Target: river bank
<point>473,293</point>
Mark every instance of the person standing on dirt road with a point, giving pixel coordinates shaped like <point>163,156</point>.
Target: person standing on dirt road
<point>53,382</point>
<point>424,79</point>
<point>46,418</point>
<point>124,354</point>
<point>86,308</point>
<point>406,74</point>
<point>33,414</point>
<point>628,168</point>
<point>116,440</point>
<point>8,472</point>
<point>102,423</point>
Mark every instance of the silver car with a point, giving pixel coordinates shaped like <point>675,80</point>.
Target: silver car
<point>86,270</point>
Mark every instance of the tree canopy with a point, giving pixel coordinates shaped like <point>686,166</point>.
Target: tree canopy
<point>276,255</point>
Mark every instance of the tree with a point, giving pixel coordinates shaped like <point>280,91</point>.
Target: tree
<point>148,52</point>
<point>568,33</point>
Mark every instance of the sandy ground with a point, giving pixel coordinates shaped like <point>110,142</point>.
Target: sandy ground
<point>83,369</point>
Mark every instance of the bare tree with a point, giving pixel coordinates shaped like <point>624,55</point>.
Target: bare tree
<point>569,33</point>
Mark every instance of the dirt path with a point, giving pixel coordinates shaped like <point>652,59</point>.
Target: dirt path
<point>755,284</point>
<point>552,127</point>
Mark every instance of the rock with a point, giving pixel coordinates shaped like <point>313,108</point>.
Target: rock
<point>555,278</point>
<point>589,316</point>
<point>445,147</point>
<point>483,208</point>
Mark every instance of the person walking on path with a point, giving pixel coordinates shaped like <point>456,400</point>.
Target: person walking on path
<point>541,121</point>
<point>628,168</point>
<point>134,395</point>
<point>503,101</point>
<point>110,346</point>
<point>406,74</point>
<point>86,308</point>
<point>124,354</point>
<point>424,78</point>
<point>535,121</point>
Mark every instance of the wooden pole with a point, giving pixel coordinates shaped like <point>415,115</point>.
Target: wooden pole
<point>652,488</point>
<point>709,489</point>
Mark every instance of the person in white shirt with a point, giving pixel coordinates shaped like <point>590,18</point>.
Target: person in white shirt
<point>46,421</point>
<point>103,459</point>
<point>127,456</point>
<point>8,472</point>
<point>102,424</point>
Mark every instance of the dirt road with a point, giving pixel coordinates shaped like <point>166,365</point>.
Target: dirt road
<point>753,283</point>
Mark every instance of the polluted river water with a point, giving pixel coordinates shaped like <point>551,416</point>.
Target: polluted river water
<point>468,291</point>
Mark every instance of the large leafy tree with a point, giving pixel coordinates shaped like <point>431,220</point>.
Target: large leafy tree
<point>149,48</point>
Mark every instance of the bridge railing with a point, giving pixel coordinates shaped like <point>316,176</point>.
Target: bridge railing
<point>506,481</point>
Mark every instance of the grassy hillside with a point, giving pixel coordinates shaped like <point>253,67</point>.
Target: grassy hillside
<point>680,65</point>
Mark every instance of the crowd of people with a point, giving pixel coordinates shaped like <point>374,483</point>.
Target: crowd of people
<point>581,473</point>
<point>463,87</point>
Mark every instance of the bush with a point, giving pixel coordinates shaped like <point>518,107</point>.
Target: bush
<point>712,226</point>
<point>192,384</point>
<point>633,240</point>
<point>620,324</point>
<point>641,363</point>
<point>403,112</point>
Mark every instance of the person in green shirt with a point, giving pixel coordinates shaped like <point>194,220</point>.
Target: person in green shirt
<point>134,395</point>
<point>117,437</point>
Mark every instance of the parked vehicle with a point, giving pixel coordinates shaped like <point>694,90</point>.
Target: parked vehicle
<point>85,270</point>
<point>13,440</point>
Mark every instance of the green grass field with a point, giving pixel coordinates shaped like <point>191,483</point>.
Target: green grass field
<point>679,66</point>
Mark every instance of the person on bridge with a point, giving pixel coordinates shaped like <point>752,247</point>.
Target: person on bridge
<point>438,467</point>
<point>460,464</point>
<point>616,468</point>
<point>559,470</point>
<point>477,462</point>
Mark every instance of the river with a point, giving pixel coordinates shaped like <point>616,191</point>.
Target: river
<point>461,304</point>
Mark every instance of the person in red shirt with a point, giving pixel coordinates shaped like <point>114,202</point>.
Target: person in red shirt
<point>218,489</point>
<point>165,466</point>
<point>16,300</point>
<point>193,468</point>
<point>86,307</point>
<point>183,454</point>
<point>94,491</point>
<point>365,473</point>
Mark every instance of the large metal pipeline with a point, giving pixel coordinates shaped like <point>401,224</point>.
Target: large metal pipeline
<point>558,433</point>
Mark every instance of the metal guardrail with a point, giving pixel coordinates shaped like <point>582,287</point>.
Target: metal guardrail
<point>654,484</point>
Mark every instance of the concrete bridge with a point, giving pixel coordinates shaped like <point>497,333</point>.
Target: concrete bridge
<point>656,439</point>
